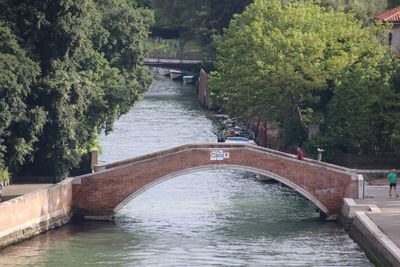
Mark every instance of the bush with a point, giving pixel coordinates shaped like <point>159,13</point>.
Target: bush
<point>4,176</point>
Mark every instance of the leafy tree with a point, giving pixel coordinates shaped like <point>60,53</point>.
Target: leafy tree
<point>393,3</point>
<point>297,64</point>
<point>20,124</point>
<point>363,10</point>
<point>196,19</point>
<point>89,72</point>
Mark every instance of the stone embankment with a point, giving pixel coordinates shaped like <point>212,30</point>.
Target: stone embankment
<point>373,223</point>
<point>34,213</point>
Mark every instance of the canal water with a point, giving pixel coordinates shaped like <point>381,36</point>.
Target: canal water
<point>207,218</point>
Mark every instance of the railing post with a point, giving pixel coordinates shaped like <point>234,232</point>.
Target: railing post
<point>158,56</point>
<point>94,159</point>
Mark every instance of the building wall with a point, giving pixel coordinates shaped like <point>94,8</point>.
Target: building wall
<point>395,31</point>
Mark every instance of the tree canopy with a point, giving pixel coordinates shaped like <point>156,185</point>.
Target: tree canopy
<point>199,19</point>
<point>69,69</point>
<point>301,64</point>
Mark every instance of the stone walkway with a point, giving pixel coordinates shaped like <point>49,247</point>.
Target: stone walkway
<point>16,190</point>
<point>388,219</point>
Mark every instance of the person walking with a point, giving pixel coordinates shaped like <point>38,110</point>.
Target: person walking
<point>300,153</point>
<point>392,176</point>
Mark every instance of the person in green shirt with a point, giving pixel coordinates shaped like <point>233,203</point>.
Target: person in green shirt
<point>392,182</point>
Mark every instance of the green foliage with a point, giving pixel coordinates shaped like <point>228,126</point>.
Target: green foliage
<point>393,3</point>
<point>300,64</point>
<point>363,10</point>
<point>89,71</point>
<point>4,176</point>
<point>20,123</point>
<point>196,19</point>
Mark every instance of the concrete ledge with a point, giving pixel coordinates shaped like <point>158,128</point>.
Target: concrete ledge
<point>34,213</point>
<point>350,207</point>
<point>379,248</point>
<point>34,228</point>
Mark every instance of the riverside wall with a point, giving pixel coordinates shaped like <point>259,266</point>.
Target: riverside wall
<point>379,248</point>
<point>31,214</point>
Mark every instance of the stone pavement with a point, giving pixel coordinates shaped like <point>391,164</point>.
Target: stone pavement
<point>388,219</point>
<point>16,190</point>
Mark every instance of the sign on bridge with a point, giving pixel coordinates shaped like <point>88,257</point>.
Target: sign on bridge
<point>218,155</point>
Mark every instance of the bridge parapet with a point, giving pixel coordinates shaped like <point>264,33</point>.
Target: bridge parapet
<point>104,192</point>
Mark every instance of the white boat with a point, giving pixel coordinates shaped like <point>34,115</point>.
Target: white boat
<point>188,79</point>
<point>240,140</point>
<point>175,74</point>
<point>162,71</point>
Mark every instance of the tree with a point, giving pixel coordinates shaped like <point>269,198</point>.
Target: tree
<point>291,64</point>
<point>393,3</point>
<point>20,124</point>
<point>90,56</point>
<point>196,19</point>
<point>363,10</point>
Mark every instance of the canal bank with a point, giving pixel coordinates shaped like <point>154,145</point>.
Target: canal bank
<point>207,218</point>
<point>33,213</point>
<point>373,223</point>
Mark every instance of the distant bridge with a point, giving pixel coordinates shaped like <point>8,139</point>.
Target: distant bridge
<point>99,195</point>
<point>191,62</point>
<point>189,65</point>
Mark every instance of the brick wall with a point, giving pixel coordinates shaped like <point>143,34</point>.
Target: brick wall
<point>26,216</point>
<point>100,194</point>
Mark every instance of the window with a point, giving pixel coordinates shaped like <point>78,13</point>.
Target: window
<point>390,38</point>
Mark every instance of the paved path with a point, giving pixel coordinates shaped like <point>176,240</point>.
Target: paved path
<point>16,190</point>
<point>389,218</point>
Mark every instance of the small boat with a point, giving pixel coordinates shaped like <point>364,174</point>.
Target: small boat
<point>240,139</point>
<point>162,71</point>
<point>175,74</point>
<point>229,132</point>
<point>188,79</point>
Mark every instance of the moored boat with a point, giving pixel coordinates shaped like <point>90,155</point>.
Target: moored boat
<point>240,139</point>
<point>164,72</point>
<point>188,79</point>
<point>175,74</point>
<point>228,131</point>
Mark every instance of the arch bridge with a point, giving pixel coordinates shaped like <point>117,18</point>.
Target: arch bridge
<point>101,194</point>
<point>190,62</point>
<point>189,65</point>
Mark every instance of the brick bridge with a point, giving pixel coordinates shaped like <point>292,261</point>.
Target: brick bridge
<point>190,65</point>
<point>99,195</point>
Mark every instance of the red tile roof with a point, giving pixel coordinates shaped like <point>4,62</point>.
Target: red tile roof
<point>392,15</point>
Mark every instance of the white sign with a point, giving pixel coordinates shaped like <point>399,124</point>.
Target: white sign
<point>218,155</point>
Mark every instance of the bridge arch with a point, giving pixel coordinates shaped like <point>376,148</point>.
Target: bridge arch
<point>99,195</point>
<point>223,167</point>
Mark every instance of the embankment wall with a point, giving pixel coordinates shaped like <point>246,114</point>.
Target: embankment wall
<point>29,215</point>
<point>379,248</point>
